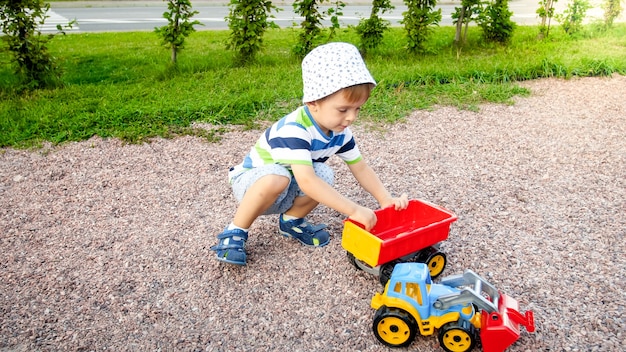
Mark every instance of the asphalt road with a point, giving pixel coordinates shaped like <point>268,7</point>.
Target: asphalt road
<point>110,16</point>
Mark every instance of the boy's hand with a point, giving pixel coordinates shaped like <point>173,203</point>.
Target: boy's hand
<point>364,216</point>
<point>399,203</point>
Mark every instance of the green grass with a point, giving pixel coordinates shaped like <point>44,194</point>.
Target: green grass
<point>122,85</point>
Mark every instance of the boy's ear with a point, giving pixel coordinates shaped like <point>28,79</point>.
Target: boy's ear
<point>312,105</point>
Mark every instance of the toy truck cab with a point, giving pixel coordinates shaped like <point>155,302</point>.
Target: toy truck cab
<point>463,309</point>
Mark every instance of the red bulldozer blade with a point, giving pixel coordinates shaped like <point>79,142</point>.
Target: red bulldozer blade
<point>501,329</point>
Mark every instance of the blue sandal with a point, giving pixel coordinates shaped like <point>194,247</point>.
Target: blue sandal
<point>305,232</point>
<point>231,250</point>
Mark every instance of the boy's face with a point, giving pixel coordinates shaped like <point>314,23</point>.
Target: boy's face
<point>335,112</point>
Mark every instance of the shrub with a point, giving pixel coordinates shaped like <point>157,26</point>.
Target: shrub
<point>496,23</point>
<point>546,13</point>
<point>418,19</point>
<point>21,19</point>
<point>248,20</point>
<point>573,16</point>
<point>179,25</point>
<point>370,30</point>
<point>462,16</point>
<point>311,25</point>
<point>612,10</point>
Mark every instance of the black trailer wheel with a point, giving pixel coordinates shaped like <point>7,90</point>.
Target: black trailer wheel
<point>436,263</point>
<point>385,272</point>
<point>394,327</point>
<point>352,259</point>
<point>455,337</point>
<point>432,257</point>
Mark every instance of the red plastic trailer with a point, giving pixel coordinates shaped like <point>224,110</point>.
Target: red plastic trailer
<point>409,235</point>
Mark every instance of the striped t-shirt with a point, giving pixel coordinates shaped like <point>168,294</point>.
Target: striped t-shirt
<point>297,139</point>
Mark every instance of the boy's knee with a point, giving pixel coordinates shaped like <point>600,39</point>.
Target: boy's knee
<point>275,183</point>
<point>271,179</point>
<point>324,172</point>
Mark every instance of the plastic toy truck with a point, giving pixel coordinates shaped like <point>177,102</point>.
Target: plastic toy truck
<point>409,235</point>
<point>464,310</point>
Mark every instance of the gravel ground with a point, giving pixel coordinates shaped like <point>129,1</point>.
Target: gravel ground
<point>105,246</point>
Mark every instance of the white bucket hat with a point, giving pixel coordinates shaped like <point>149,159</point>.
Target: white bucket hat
<point>331,67</point>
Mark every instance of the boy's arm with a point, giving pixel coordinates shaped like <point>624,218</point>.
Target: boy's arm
<point>369,180</point>
<point>322,192</point>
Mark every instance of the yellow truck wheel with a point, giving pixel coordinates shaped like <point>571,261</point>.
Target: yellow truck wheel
<point>394,327</point>
<point>455,337</point>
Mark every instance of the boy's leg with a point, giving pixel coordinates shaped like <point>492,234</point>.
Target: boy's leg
<point>302,206</point>
<point>256,191</point>
<point>258,198</point>
<point>292,222</point>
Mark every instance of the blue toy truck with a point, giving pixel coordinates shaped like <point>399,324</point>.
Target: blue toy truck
<point>464,309</point>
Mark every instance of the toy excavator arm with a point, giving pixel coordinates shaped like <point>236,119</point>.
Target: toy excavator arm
<point>476,291</point>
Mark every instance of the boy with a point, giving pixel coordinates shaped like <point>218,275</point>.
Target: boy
<point>284,172</point>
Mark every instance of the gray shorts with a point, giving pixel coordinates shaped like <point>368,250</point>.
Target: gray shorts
<point>243,181</point>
